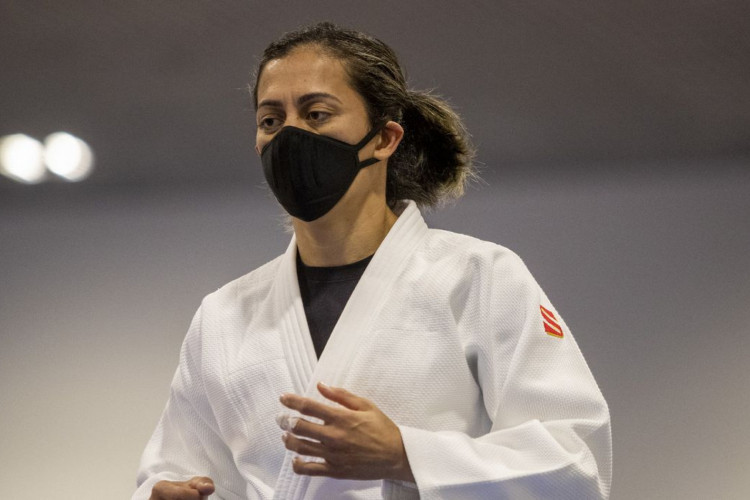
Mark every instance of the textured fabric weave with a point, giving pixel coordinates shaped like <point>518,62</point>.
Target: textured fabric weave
<point>443,332</point>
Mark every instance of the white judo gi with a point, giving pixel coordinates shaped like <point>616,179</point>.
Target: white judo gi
<point>449,336</point>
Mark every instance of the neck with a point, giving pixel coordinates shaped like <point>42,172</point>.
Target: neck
<point>343,235</point>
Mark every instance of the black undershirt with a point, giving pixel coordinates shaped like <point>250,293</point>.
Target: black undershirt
<point>325,291</point>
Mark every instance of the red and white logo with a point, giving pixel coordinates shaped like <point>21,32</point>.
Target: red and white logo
<point>551,326</point>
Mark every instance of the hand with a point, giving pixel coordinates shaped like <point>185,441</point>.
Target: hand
<point>357,441</point>
<point>198,488</point>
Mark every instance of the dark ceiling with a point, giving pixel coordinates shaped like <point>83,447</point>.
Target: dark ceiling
<point>157,88</point>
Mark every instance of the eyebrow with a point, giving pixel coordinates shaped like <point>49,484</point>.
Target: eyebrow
<point>301,100</point>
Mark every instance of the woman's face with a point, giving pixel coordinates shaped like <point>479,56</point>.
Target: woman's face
<point>310,90</point>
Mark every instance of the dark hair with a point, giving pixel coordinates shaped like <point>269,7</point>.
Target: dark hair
<point>434,160</point>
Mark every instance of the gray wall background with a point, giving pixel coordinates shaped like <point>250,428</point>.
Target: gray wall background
<point>615,141</point>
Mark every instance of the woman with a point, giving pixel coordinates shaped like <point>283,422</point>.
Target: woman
<point>451,375</point>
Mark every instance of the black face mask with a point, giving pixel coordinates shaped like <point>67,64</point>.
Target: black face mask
<point>309,173</point>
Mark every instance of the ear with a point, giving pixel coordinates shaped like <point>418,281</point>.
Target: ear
<point>390,137</point>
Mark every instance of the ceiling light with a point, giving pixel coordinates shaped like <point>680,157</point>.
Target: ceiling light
<point>68,156</point>
<point>21,158</point>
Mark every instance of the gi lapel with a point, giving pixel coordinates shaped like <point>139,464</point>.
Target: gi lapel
<point>356,321</point>
<point>372,291</point>
<point>294,332</point>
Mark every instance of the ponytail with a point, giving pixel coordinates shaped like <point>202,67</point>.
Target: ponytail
<point>434,161</point>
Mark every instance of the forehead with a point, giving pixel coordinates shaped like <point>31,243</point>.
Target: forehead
<point>304,70</point>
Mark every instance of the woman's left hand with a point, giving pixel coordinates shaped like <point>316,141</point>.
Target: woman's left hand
<point>356,441</point>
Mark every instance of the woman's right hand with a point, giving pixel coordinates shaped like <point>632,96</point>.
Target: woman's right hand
<point>198,488</point>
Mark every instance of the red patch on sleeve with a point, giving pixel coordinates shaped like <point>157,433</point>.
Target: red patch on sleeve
<point>551,326</point>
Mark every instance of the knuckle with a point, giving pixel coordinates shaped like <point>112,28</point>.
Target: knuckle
<point>295,424</point>
<point>304,448</point>
<point>299,444</point>
<point>337,439</point>
<point>350,423</point>
<point>337,473</point>
<point>291,443</point>
<point>305,406</point>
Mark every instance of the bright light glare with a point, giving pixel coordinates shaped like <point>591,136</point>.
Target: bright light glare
<point>21,158</point>
<point>68,156</point>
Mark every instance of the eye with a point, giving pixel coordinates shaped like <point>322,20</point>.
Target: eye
<point>269,123</point>
<point>318,116</point>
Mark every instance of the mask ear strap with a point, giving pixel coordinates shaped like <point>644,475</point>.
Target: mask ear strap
<point>367,163</point>
<point>372,133</point>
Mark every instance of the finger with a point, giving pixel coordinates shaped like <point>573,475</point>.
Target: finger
<point>174,490</point>
<point>287,421</point>
<point>204,485</point>
<point>302,427</point>
<point>308,468</point>
<point>303,446</point>
<point>344,397</point>
<point>309,407</point>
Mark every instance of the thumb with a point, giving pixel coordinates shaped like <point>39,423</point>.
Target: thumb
<point>204,485</point>
<point>343,397</point>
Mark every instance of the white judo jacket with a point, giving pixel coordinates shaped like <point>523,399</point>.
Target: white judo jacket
<point>449,336</point>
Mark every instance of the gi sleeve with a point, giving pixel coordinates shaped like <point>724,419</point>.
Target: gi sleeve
<point>550,435</point>
<point>187,441</point>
